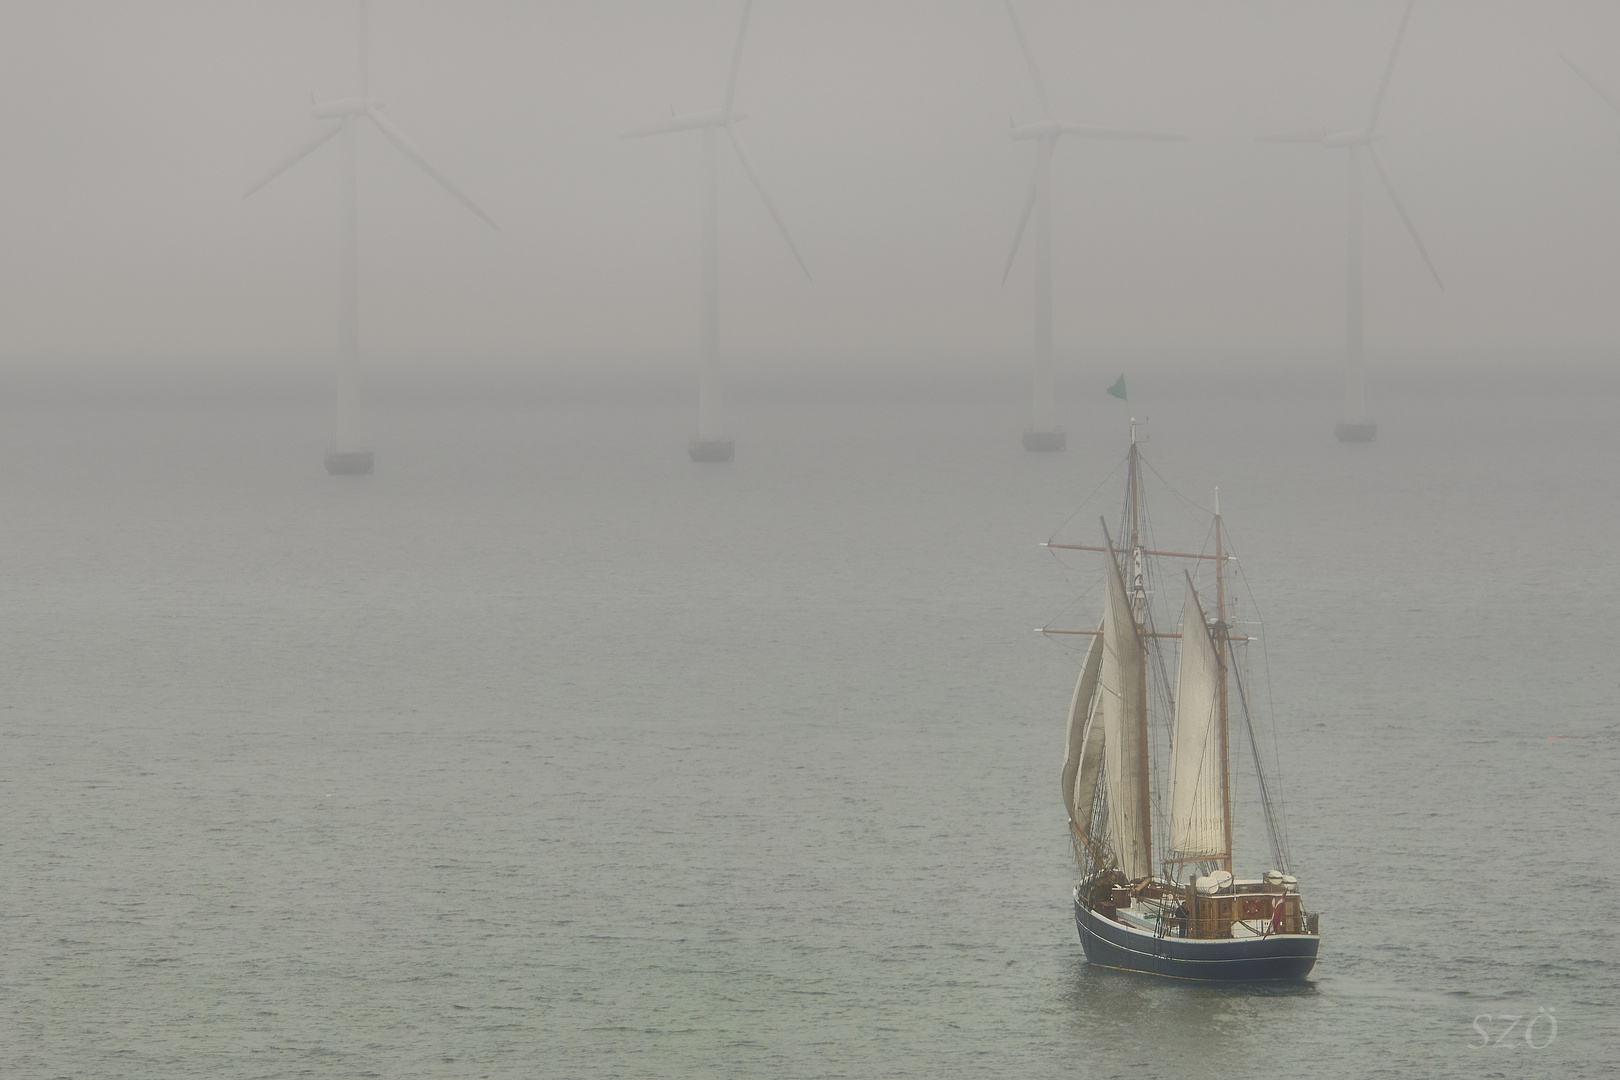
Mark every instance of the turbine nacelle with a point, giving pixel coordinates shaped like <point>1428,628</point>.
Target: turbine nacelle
<point>340,108</point>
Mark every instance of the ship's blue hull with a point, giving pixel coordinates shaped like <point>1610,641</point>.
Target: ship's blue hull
<point>1111,944</point>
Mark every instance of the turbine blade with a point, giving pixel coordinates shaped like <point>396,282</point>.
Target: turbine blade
<point>686,122</point>
<point>1389,186</point>
<point>398,138</point>
<point>660,128</point>
<point>1295,136</point>
<point>753,174</point>
<point>1086,131</point>
<point>1023,221</point>
<point>736,55</point>
<point>314,144</point>
<point>1593,83</point>
<point>1389,69</point>
<point>1029,56</point>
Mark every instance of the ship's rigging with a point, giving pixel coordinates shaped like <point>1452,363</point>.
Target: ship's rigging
<point>1137,566</point>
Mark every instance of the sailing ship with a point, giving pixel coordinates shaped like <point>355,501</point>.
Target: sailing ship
<point>1147,776</point>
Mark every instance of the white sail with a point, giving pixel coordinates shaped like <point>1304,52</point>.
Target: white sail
<point>1124,731</point>
<point>1197,795</point>
<point>1083,758</point>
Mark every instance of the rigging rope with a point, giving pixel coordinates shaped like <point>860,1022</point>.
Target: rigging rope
<point>1279,851</point>
<point>1271,714</point>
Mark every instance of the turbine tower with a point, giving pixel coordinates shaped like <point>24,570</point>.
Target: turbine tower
<point>1044,432</point>
<point>1354,424</point>
<point>347,454</point>
<point>711,443</point>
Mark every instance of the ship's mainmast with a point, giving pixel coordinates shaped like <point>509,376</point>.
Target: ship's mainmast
<point>1139,613</point>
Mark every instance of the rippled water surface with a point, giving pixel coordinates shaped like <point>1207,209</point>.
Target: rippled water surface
<point>545,752</point>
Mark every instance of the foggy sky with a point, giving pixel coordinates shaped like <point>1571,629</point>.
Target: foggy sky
<point>880,127</point>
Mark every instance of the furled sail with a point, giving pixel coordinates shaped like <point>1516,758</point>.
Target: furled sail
<point>1124,716</point>
<point>1197,791</point>
<point>1083,758</point>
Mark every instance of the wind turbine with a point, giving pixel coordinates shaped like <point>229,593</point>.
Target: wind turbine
<point>1354,424</point>
<point>1044,432</point>
<point>711,444</point>
<point>346,455</point>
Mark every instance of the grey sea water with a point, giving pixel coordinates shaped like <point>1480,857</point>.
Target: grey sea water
<point>545,752</point>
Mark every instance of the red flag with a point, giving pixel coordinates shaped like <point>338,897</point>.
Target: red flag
<point>1276,916</point>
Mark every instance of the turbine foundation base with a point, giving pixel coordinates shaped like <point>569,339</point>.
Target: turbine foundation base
<point>711,450</point>
<point>1056,439</point>
<point>349,462</point>
<point>1363,431</point>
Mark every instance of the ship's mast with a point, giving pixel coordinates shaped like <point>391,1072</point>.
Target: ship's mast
<point>1222,643</point>
<point>1131,495</point>
<point>1139,612</point>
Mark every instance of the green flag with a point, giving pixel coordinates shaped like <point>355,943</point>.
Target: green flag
<point>1118,389</point>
